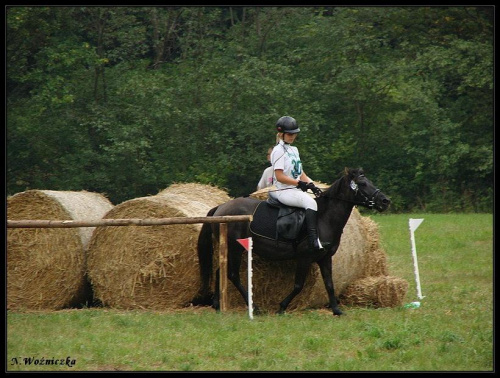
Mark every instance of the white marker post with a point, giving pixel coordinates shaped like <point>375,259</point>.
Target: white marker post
<point>250,274</point>
<point>248,244</point>
<point>414,223</point>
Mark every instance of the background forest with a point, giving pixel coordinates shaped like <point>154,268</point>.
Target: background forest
<point>124,101</point>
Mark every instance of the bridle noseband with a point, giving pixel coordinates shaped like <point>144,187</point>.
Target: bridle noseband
<point>369,202</point>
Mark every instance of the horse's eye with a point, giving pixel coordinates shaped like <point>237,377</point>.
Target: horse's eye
<point>362,184</point>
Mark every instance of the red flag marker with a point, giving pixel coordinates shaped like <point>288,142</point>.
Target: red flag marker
<point>244,243</point>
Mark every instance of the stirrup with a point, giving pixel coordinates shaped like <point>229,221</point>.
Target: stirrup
<point>320,245</point>
<point>313,248</point>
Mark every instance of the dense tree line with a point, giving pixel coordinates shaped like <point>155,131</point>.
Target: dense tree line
<point>125,101</point>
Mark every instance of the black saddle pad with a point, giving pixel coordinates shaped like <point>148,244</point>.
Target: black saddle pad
<point>265,219</point>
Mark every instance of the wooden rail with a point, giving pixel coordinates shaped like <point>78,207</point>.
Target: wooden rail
<point>223,220</point>
<point>124,222</point>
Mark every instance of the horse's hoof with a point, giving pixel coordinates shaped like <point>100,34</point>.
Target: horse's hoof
<point>337,312</point>
<point>281,311</point>
<point>256,310</point>
<point>201,301</point>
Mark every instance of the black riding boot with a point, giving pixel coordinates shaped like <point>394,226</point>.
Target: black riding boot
<point>311,223</point>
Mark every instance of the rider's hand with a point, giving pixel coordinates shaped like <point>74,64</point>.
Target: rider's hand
<point>317,191</point>
<point>310,185</point>
<point>302,185</point>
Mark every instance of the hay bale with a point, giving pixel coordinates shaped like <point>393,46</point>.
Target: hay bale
<point>46,266</point>
<point>376,258</point>
<point>154,267</point>
<point>208,194</point>
<point>380,291</point>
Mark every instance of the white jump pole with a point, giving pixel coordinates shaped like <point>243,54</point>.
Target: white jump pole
<point>413,224</point>
<point>250,274</point>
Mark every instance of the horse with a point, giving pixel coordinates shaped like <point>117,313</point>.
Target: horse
<point>335,205</point>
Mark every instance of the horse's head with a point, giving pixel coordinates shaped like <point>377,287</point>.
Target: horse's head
<point>363,192</point>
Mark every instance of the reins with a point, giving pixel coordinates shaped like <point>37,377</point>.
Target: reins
<point>368,202</point>
<point>279,190</point>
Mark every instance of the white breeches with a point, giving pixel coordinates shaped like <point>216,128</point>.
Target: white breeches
<point>295,197</point>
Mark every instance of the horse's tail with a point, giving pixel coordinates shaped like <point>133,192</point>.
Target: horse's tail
<point>205,260</point>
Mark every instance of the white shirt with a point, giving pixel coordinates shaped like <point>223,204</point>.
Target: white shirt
<point>266,179</point>
<point>286,157</point>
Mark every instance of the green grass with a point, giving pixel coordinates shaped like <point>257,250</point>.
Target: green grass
<point>451,331</point>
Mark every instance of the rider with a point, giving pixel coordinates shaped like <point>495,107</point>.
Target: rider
<point>291,181</point>
<point>267,176</point>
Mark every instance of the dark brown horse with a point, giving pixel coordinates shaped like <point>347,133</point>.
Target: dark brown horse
<point>334,208</point>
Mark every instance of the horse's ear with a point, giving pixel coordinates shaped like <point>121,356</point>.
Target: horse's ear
<point>350,173</point>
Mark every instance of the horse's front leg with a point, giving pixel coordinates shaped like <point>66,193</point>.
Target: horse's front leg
<point>325,266</point>
<point>233,275</point>
<point>300,279</point>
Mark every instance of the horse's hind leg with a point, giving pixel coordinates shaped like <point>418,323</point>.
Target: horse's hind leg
<point>216,298</point>
<point>300,279</point>
<point>204,297</point>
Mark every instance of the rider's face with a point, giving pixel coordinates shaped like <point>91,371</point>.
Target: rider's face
<point>289,138</point>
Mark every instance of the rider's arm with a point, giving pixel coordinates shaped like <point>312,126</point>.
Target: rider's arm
<point>281,177</point>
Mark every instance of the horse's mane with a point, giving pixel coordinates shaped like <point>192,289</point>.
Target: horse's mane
<point>334,190</point>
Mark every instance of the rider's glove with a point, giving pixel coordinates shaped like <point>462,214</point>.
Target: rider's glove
<point>302,185</point>
<point>317,191</point>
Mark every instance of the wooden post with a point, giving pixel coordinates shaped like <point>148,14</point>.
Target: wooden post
<point>223,266</point>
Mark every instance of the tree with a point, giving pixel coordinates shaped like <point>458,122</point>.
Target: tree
<point>127,100</point>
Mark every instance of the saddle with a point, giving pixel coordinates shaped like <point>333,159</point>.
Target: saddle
<point>279,222</point>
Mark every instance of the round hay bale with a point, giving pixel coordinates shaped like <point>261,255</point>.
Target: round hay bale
<point>208,194</point>
<point>154,267</point>
<point>380,291</point>
<point>46,266</point>
<point>376,257</point>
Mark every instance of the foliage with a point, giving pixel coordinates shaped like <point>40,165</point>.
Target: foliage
<point>127,100</point>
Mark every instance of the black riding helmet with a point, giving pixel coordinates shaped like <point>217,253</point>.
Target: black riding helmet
<point>288,125</point>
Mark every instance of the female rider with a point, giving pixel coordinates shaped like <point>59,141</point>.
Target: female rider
<point>290,179</point>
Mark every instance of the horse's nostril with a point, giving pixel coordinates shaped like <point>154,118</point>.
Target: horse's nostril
<point>386,201</point>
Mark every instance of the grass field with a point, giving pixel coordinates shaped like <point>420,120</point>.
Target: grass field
<point>451,331</point>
